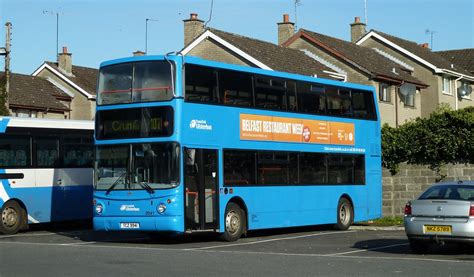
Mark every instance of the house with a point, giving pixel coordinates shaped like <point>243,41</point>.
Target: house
<point>78,82</point>
<point>217,45</point>
<point>445,78</point>
<point>31,96</point>
<point>398,91</point>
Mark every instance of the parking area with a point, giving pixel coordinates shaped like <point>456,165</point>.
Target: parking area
<point>317,251</point>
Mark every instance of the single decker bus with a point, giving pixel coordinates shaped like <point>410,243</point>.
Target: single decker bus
<point>186,144</point>
<point>46,171</point>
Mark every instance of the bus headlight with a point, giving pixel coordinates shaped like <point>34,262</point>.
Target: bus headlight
<point>99,209</point>
<point>161,208</point>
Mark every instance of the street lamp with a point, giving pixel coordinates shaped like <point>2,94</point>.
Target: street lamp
<point>146,33</point>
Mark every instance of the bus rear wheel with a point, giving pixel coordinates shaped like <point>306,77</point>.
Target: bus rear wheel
<point>234,222</point>
<point>345,214</point>
<point>12,218</point>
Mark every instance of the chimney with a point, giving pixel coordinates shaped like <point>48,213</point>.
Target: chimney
<point>193,27</point>
<point>286,29</point>
<point>65,61</point>
<point>138,53</point>
<point>425,45</point>
<point>357,30</point>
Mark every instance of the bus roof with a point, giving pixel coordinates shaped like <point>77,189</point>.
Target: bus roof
<point>205,62</point>
<point>45,123</point>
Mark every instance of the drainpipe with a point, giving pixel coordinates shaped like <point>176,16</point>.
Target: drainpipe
<point>456,93</point>
<point>397,90</point>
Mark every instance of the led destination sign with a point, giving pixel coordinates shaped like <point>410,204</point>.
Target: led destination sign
<point>135,123</point>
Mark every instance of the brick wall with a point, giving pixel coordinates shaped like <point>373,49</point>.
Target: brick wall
<point>411,180</point>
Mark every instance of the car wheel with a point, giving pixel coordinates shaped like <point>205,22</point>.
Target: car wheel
<point>345,214</point>
<point>418,247</point>
<point>234,221</point>
<point>12,218</point>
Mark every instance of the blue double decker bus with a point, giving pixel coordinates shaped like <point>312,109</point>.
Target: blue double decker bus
<point>186,144</point>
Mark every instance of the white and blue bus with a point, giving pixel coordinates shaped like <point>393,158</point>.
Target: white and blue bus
<point>186,144</point>
<point>46,171</point>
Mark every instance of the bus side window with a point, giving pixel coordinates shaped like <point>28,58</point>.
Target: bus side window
<point>270,93</point>
<point>46,152</point>
<point>311,98</point>
<point>363,104</point>
<point>346,104</point>
<point>77,151</point>
<point>235,88</point>
<point>239,167</point>
<point>201,84</point>
<point>14,151</point>
<point>334,101</point>
<point>291,96</point>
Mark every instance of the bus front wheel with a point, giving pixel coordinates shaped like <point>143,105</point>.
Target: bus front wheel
<point>11,219</point>
<point>345,214</point>
<point>234,222</point>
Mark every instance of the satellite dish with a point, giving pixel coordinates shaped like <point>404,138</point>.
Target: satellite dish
<point>464,90</point>
<point>407,88</point>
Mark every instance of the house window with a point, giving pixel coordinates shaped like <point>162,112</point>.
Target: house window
<point>447,86</point>
<point>409,99</point>
<point>384,92</point>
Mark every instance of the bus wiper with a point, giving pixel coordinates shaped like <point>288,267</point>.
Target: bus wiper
<point>120,178</point>
<point>147,187</point>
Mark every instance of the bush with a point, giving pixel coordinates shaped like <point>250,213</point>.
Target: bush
<point>445,137</point>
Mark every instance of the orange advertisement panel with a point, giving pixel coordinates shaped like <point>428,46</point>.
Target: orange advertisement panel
<point>283,129</point>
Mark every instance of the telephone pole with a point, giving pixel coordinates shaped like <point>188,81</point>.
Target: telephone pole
<point>6,52</point>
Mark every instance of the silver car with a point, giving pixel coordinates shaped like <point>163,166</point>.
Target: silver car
<point>443,213</point>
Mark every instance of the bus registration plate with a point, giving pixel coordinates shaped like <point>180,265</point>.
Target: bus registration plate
<point>437,229</point>
<point>129,225</point>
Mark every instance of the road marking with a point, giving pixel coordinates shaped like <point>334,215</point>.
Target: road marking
<point>77,243</point>
<point>330,256</point>
<point>42,234</point>
<point>268,240</point>
<point>333,256</point>
<point>368,249</point>
<point>27,235</point>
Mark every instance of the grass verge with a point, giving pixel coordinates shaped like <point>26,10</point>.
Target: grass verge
<point>384,221</point>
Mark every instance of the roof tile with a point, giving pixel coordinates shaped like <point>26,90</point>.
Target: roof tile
<point>84,77</point>
<point>34,92</point>
<point>274,56</point>
<point>365,57</point>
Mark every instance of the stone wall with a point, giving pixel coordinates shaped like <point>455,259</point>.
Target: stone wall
<point>411,180</point>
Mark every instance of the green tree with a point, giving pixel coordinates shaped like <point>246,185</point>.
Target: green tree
<point>445,137</point>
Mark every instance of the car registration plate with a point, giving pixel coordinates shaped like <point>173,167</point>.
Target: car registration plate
<point>438,229</point>
<point>129,225</point>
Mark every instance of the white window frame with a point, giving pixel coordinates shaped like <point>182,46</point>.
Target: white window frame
<point>385,93</point>
<point>405,99</point>
<point>449,91</point>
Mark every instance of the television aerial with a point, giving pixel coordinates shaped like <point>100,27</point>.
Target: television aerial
<point>407,89</point>
<point>464,90</point>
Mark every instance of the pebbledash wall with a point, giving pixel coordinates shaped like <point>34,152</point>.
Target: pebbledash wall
<point>411,180</point>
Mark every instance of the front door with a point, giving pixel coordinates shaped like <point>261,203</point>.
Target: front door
<point>201,187</point>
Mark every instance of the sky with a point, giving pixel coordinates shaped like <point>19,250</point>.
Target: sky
<point>100,30</point>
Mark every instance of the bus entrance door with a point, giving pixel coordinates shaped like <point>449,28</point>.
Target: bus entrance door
<point>201,185</point>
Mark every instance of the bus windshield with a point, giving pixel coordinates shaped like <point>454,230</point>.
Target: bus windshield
<point>135,82</point>
<point>130,167</point>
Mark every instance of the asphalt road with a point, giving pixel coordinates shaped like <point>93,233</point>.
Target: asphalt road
<point>289,252</point>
